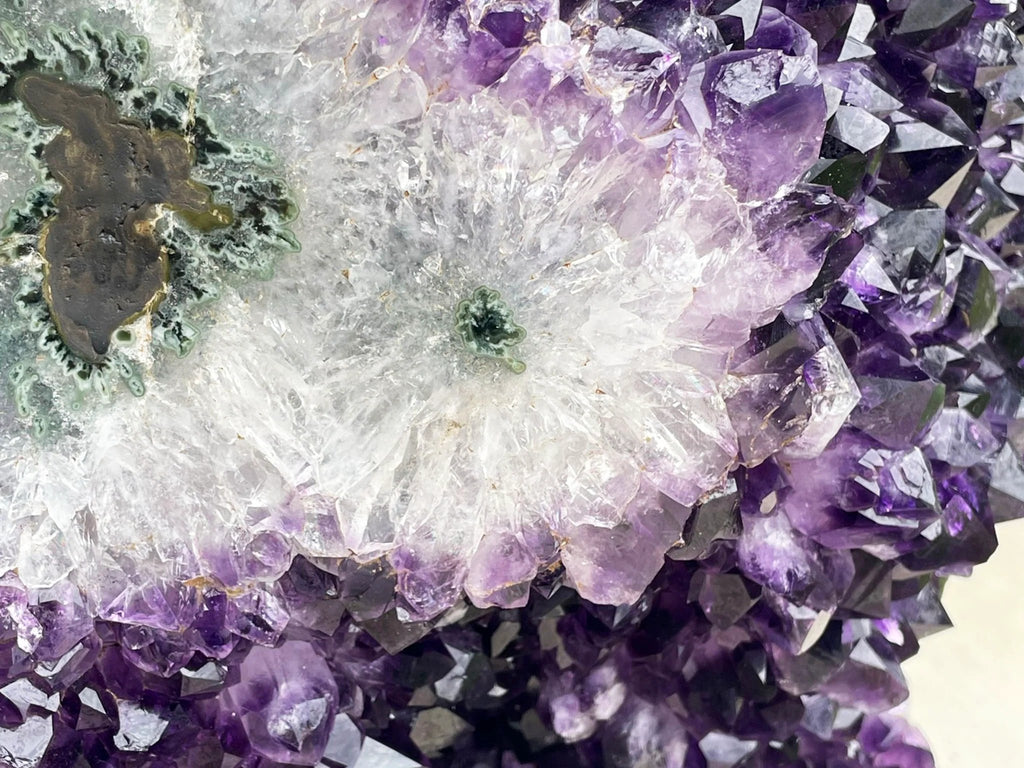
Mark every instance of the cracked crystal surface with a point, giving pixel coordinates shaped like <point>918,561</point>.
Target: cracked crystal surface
<point>333,410</point>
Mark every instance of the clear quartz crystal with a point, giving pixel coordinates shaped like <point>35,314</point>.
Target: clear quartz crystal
<point>336,406</point>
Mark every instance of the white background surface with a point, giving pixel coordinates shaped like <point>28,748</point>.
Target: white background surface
<point>967,683</point>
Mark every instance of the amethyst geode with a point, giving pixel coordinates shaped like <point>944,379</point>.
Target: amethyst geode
<point>842,291</point>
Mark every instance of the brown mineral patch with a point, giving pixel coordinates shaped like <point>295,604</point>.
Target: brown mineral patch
<point>103,264</point>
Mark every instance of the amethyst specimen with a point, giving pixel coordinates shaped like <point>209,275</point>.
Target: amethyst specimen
<point>880,442</point>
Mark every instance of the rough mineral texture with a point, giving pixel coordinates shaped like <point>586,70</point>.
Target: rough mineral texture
<point>645,370</point>
<point>103,263</point>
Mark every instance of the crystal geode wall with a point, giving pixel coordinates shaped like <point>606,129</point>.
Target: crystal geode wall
<point>579,285</point>
<point>354,420</point>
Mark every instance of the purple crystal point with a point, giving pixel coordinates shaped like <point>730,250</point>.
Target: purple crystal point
<point>893,742</point>
<point>779,32</point>
<point>615,565</point>
<point>259,616</point>
<point>161,606</point>
<point>285,702</point>
<point>792,392</point>
<point>767,118</point>
<point>208,632</point>
<point>155,650</point>
<point>428,586</point>
<point>63,618</point>
<point>16,620</point>
<point>501,571</point>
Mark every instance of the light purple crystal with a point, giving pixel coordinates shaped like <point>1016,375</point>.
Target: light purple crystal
<point>285,703</point>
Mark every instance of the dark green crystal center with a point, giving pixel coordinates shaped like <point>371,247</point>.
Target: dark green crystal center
<point>485,325</point>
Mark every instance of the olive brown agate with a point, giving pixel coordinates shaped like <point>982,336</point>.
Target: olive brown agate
<point>104,264</point>
<point>140,218</point>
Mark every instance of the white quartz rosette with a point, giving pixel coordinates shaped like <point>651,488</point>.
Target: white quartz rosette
<point>503,346</point>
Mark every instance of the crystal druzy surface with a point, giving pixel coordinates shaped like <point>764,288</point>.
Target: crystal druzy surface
<point>581,285</point>
<point>348,415</point>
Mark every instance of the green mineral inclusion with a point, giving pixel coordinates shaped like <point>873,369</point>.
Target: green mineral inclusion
<point>485,325</point>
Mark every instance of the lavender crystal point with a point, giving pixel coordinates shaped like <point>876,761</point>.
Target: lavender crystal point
<point>285,703</point>
<point>644,371</point>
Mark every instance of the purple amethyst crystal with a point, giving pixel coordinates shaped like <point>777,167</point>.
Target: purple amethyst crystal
<point>862,362</point>
<point>284,703</point>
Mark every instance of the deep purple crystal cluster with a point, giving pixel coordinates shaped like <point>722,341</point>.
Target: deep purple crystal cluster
<point>773,635</point>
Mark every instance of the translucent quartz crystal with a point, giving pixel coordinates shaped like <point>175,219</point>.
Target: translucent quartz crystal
<point>337,410</point>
